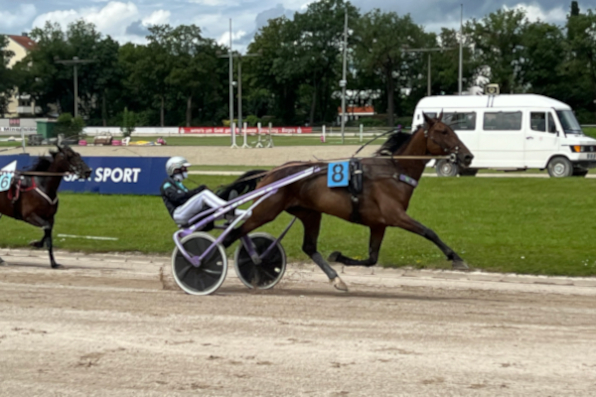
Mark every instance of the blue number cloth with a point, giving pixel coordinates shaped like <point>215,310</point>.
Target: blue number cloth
<point>338,174</point>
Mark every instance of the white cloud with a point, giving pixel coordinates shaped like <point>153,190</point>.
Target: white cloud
<point>224,39</point>
<point>10,20</point>
<point>216,3</point>
<point>160,17</point>
<point>112,19</point>
<point>534,13</point>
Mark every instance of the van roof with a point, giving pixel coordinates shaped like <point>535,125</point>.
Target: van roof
<point>483,101</point>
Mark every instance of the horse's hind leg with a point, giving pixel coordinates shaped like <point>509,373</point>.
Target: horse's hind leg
<point>409,224</point>
<point>312,225</point>
<point>48,239</point>
<point>376,238</point>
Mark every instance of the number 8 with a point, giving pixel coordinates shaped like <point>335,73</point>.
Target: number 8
<point>338,173</point>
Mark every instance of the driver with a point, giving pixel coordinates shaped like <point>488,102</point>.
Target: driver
<point>182,203</point>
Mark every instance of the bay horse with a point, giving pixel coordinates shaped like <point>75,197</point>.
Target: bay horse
<point>33,198</point>
<point>388,185</point>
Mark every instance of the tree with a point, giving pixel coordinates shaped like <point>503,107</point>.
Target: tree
<point>7,76</point>
<point>194,64</point>
<point>379,52</point>
<point>498,44</point>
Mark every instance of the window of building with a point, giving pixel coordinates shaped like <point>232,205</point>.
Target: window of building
<point>502,121</point>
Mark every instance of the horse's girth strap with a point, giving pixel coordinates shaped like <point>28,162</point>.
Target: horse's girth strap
<point>45,196</point>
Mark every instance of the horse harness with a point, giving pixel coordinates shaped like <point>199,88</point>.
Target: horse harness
<point>20,185</point>
<point>356,185</point>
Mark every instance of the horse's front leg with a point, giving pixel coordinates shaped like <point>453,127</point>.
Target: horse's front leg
<point>376,238</point>
<point>404,221</point>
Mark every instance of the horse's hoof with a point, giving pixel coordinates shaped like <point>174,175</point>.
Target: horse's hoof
<point>333,256</point>
<point>459,265</point>
<point>339,284</point>
<point>57,266</point>
<point>2,262</point>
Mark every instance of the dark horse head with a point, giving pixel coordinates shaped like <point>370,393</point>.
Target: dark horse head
<point>442,140</point>
<point>67,160</point>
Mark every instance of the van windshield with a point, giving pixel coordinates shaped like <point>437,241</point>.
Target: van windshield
<point>569,122</point>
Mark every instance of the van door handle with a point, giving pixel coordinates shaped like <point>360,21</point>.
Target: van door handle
<point>529,137</point>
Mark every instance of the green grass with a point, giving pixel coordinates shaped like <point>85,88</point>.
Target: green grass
<point>590,131</point>
<point>512,225</point>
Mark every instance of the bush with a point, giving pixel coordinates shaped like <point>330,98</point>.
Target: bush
<point>128,123</point>
<point>252,120</point>
<point>367,122</point>
<point>70,127</point>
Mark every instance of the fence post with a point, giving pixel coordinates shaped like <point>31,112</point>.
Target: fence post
<point>245,144</point>
<point>259,144</point>
<point>323,135</point>
<point>270,144</point>
<point>233,127</point>
<point>361,131</point>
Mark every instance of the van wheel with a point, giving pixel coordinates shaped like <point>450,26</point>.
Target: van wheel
<point>468,172</point>
<point>580,173</point>
<point>446,168</point>
<point>560,167</point>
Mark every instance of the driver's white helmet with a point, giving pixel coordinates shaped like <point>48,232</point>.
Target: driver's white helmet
<point>175,163</point>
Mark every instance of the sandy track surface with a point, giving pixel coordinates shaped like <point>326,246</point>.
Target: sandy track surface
<point>106,326</point>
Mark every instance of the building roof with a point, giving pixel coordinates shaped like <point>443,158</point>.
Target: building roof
<point>23,41</point>
<point>483,101</point>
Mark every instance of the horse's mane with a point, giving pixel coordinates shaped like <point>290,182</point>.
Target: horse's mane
<point>394,143</point>
<point>43,163</point>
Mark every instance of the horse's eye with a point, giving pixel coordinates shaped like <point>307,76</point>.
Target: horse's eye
<point>444,132</point>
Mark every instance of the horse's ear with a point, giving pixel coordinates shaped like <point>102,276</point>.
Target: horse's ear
<point>59,147</point>
<point>440,117</point>
<point>428,120</point>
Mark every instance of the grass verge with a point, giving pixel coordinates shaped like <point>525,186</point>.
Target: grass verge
<point>510,225</point>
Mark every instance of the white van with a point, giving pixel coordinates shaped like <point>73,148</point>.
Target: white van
<point>513,132</point>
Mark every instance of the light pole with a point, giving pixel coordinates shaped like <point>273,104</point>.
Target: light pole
<point>231,78</point>
<point>343,81</point>
<point>461,51</point>
<point>75,61</point>
<point>427,50</point>
<point>239,56</point>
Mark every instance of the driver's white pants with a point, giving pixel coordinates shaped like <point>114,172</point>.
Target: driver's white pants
<point>195,204</point>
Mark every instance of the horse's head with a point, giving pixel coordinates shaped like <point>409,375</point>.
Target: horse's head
<point>71,161</point>
<point>441,140</point>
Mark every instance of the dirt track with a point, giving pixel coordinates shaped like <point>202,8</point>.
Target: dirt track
<point>106,326</point>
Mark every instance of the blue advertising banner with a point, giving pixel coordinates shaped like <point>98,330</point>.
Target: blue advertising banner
<point>120,175</point>
<point>111,175</point>
<point>23,160</point>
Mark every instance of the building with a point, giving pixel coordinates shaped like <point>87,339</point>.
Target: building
<point>20,105</point>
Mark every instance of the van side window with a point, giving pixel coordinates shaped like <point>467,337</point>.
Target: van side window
<point>461,121</point>
<point>552,127</point>
<point>502,121</point>
<point>538,121</point>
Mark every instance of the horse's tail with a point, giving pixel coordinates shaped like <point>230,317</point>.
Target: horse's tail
<point>245,183</point>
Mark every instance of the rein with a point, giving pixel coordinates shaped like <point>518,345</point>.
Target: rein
<point>37,173</point>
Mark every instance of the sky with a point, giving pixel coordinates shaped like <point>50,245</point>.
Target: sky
<point>127,20</point>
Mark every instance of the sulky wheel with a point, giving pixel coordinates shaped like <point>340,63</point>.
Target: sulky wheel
<point>210,275</point>
<point>271,269</point>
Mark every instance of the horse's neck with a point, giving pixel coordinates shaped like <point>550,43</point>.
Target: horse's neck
<point>415,147</point>
<point>50,184</point>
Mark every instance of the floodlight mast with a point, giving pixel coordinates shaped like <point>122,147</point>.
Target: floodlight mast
<point>75,62</point>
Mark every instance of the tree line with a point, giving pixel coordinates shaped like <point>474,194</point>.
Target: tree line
<point>179,77</point>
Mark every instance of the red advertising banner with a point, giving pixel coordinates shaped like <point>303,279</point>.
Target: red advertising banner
<point>250,130</point>
<point>14,122</point>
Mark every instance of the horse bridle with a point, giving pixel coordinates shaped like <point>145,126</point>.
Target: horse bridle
<point>452,153</point>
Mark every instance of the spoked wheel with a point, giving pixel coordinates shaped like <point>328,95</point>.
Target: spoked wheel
<point>210,275</point>
<point>271,269</point>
